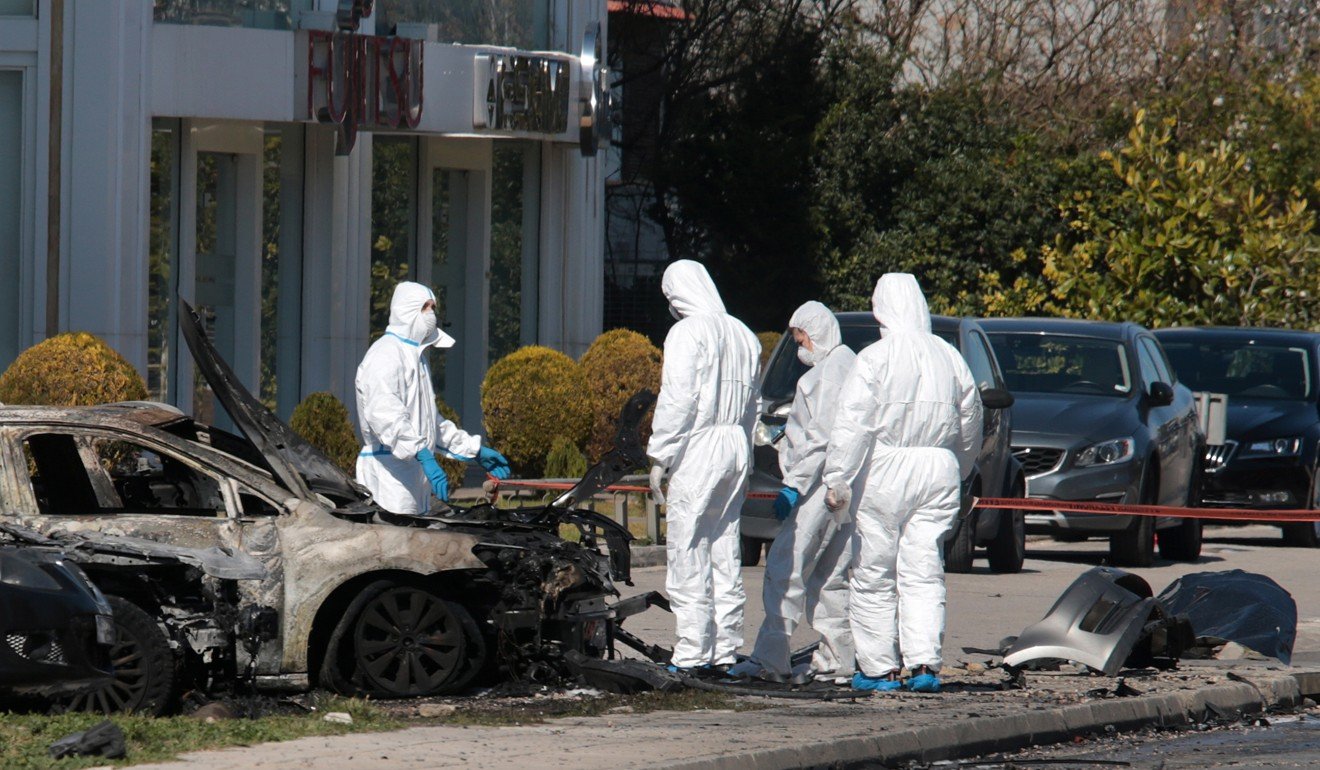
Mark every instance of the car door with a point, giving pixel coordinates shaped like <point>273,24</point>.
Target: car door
<point>995,450</point>
<point>1167,431</point>
<point>1191,441</point>
<point>102,480</point>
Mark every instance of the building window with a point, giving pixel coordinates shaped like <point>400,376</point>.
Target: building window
<point>281,267</point>
<point>393,221</point>
<point>516,23</point>
<point>262,14</point>
<point>514,225</point>
<point>162,257</point>
<point>11,198</point>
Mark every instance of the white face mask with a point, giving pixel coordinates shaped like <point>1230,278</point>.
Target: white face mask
<point>810,357</point>
<point>423,326</point>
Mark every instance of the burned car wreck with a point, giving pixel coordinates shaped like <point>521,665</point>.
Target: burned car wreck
<point>254,559</point>
<point>1109,619</point>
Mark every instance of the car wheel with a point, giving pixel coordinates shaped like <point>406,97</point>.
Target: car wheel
<point>1134,546</point>
<point>1303,534</point>
<point>960,544</point>
<point>147,672</point>
<point>1181,542</point>
<point>751,551</point>
<point>399,640</point>
<point>1008,549</point>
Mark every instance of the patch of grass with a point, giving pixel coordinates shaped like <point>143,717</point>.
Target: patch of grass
<point>539,710</point>
<point>25,737</point>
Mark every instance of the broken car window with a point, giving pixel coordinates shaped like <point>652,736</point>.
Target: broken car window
<point>148,481</point>
<point>59,478</point>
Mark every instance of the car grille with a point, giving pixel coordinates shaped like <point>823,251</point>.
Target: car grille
<point>1216,457</point>
<point>1038,460</point>
<point>42,648</point>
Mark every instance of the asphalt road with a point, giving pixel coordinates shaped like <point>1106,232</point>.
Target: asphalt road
<point>983,608</point>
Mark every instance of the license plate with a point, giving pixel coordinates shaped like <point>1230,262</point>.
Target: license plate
<point>105,629</point>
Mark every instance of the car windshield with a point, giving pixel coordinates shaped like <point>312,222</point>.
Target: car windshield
<point>1059,363</point>
<point>784,369</point>
<point>1243,368</point>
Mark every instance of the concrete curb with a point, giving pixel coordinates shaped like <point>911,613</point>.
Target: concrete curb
<point>988,735</point>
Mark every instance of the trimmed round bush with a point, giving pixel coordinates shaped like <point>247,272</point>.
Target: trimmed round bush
<point>529,397</point>
<point>71,369</point>
<point>454,469</point>
<point>323,420</point>
<point>768,342</point>
<point>617,365</point>
<point>564,461</point>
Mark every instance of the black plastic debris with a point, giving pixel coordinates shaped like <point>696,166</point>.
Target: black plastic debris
<point>624,677</point>
<point>1236,606</point>
<point>103,740</point>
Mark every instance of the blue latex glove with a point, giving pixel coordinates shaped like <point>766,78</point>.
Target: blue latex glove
<point>494,462</point>
<point>436,474</point>
<point>786,502</point>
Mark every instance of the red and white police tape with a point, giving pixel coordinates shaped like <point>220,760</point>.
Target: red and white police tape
<point>1020,504</point>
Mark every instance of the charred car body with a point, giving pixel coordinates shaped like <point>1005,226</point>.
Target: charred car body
<point>254,557</point>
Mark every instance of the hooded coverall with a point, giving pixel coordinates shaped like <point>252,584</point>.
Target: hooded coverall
<point>906,431</point>
<point>701,433</point>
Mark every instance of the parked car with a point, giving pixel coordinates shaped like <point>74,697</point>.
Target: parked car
<point>996,474</point>
<point>56,626</point>
<point>1099,416</point>
<point>1272,380</point>
<point>256,558</point>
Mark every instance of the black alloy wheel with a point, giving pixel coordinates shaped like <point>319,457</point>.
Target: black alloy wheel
<point>146,670</point>
<point>1134,546</point>
<point>408,642</point>
<point>960,543</point>
<point>751,550</point>
<point>1008,550</point>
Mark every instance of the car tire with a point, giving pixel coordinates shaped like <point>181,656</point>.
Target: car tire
<point>1181,542</point>
<point>960,544</point>
<point>1008,550</point>
<point>1134,546</point>
<point>377,629</point>
<point>147,671</point>
<point>1303,534</point>
<point>751,548</point>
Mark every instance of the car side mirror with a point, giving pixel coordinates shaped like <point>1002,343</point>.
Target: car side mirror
<point>996,398</point>
<point>1161,394</point>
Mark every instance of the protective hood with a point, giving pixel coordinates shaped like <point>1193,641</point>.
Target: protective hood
<point>821,326</point>
<point>899,305</point>
<point>690,290</point>
<point>405,312</point>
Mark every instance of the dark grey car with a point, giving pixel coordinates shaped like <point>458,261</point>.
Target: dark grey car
<point>996,474</point>
<point>1099,416</point>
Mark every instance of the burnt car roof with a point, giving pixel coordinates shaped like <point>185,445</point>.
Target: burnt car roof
<point>126,414</point>
<point>1110,330</point>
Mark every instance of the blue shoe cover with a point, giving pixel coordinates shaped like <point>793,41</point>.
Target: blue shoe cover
<point>924,683</point>
<point>861,681</point>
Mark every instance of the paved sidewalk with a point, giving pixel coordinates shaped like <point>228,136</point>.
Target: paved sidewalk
<point>971,719</point>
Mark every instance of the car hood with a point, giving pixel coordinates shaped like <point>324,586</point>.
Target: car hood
<point>299,466</point>
<point>1252,420</point>
<point>1085,417</point>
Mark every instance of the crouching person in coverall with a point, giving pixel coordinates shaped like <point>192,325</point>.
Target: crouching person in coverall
<point>905,433</point>
<point>806,572</point>
<point>401,429</point>
<point>701,437</point>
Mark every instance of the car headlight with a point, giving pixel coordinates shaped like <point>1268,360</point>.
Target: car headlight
<point>105,629</point>
<point>1273,447</point>
<point>19,572</point>
<point>1118,450</point>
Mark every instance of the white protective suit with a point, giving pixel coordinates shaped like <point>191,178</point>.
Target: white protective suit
<point>807,568</point>
<point>701,433</point>
<point>906,431</point>
<point>396,407</point>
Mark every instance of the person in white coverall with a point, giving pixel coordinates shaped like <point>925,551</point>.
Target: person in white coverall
<point>701,438</point>
<point>905,433</point>
<point>401,429</point>
<point>807,568</point>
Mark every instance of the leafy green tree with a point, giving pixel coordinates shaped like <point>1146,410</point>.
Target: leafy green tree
<point>1194,236</point>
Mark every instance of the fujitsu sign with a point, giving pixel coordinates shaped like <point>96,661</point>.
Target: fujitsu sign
<point>360,82</point>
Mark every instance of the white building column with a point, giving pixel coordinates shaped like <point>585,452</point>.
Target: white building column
<point>572,271</point>
<point>105,176</point>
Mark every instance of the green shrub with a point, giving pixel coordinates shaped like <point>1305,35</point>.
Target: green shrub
<point>768,342</point>
<point>71,369</point>
<point>323,420</point>
<point>454,469</point>
<point>529,397</point>
<point>617,365</point>
<point>564,461</point>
